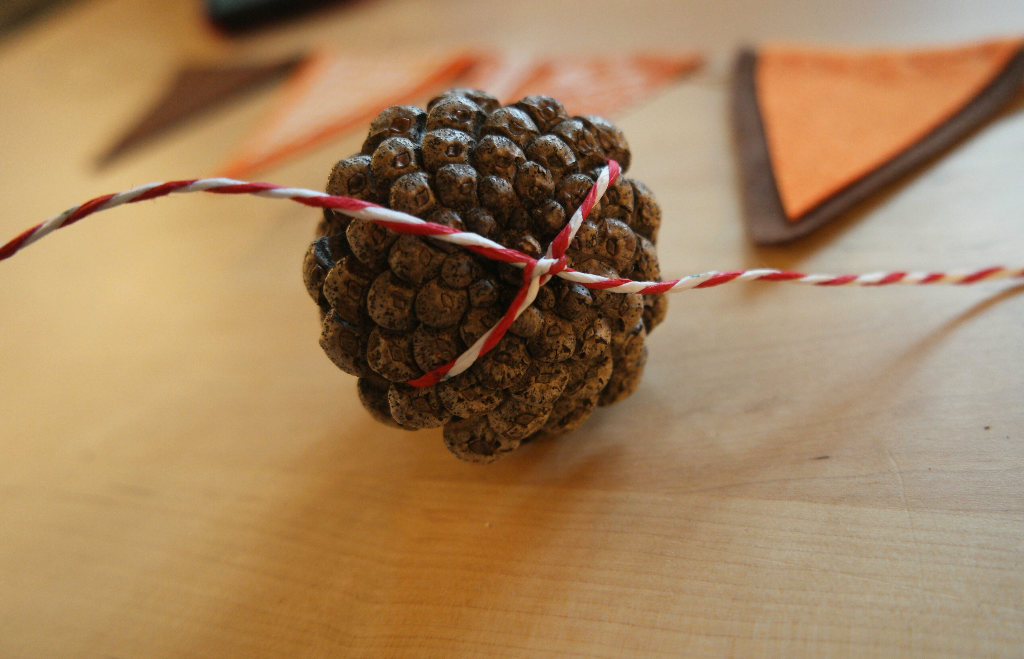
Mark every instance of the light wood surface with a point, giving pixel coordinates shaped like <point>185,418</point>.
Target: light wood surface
<point>803,472</point>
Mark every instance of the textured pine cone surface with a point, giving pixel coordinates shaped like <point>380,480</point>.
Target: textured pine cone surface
<point>397,306</point>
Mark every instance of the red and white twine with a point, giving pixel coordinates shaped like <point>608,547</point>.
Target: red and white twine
<point>536,272</point>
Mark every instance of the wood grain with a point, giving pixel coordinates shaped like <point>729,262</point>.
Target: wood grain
<point>803,472</point>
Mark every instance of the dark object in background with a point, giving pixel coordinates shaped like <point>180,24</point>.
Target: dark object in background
<point>194,90</point>
<point>395,307</point>
<point>14,13</point>
<point>241,15</point>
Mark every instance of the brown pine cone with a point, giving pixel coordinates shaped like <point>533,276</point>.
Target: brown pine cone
<point>396,306</point>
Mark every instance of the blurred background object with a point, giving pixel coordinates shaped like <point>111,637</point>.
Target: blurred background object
<point>606,84</point>
<point>194,90</point>
<point>14,13</point>
<point>241,15</point>
<point>339,92</point>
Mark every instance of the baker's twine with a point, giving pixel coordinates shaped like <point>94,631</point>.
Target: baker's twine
<point>536,272</point>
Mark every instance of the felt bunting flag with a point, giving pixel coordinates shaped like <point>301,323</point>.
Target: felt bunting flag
<point>336,92</point>
<point>820,130</point>
<point>604,86</point>
<point>194,90</point>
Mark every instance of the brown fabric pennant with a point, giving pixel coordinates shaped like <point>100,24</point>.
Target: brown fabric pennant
<point>196,89</point>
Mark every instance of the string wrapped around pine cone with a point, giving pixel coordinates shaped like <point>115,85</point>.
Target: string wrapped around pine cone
<point>397,306</point>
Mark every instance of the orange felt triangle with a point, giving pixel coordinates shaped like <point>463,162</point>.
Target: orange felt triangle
<point>603,86</point>
<point>832,117</point>
<point>336,92</point>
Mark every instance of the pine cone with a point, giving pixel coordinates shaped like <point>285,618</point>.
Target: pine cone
<point>396,306</point>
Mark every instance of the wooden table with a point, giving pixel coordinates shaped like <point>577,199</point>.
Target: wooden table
<point>803,472</point>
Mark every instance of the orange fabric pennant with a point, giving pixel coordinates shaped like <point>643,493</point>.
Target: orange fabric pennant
<point>337,92</point>
<point>832,117</point>
<point>604,86</point>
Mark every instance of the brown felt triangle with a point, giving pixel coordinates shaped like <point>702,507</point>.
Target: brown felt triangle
<point>194,90</point>
<point>820,130</point>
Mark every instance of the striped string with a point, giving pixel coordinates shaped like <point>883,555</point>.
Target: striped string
<point>536,272</point>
